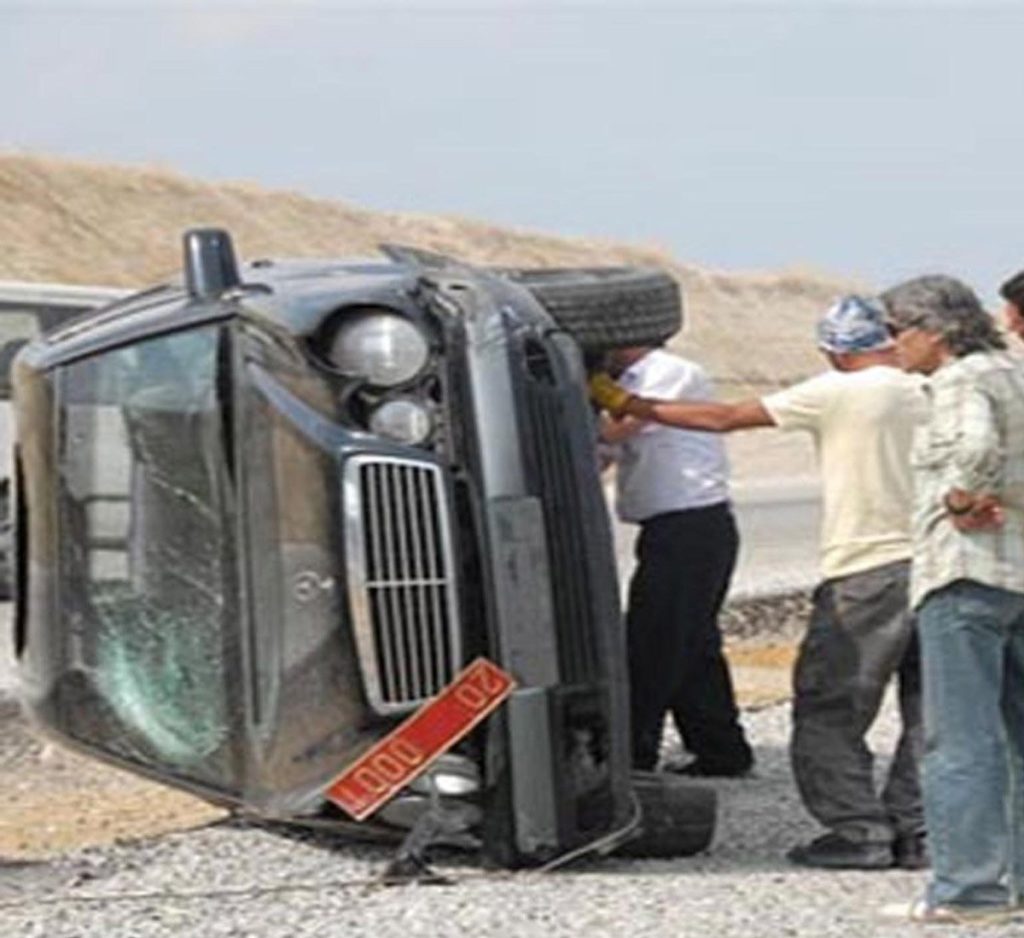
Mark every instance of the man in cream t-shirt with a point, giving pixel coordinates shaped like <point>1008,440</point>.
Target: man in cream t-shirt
<point>861,415</point>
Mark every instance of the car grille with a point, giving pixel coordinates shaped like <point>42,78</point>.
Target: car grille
<point>557,482</point>
<point>401,579</point>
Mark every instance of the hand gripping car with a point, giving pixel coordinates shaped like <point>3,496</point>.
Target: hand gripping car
<point>266,514</point>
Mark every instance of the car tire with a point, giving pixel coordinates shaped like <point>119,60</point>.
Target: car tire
<point>607,307</point>
<point>677,817</point>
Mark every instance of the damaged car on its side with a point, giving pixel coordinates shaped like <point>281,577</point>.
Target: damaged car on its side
<point>265,514</point>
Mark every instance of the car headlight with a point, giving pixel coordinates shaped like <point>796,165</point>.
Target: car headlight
<point>384,348</point>
<point>402,419</point>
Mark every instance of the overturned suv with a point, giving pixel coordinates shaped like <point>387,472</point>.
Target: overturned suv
<point>264,515</point>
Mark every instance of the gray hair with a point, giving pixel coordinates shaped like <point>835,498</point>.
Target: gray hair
<point>943,305</point>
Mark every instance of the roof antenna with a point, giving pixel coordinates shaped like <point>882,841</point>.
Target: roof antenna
<point>210,266</point>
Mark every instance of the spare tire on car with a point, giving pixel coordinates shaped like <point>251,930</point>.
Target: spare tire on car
<point>607,307</point>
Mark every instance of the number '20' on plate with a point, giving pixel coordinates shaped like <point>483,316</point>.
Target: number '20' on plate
<point>410,748</point>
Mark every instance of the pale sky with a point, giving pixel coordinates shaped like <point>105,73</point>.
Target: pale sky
<point>873,140</point>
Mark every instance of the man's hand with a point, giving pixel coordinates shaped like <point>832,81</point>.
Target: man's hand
<point>608,395</point>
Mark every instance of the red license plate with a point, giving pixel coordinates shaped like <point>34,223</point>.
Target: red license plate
<point>408,751</point>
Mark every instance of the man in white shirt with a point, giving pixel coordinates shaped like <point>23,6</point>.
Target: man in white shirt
<point>674,485</point>
<point>861,415</point>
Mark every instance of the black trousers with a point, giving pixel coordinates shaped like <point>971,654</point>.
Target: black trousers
<point>685,560</point>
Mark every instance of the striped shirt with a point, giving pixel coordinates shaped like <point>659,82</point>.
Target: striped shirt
<point>972,438</point>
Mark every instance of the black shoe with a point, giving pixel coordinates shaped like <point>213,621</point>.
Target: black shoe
<point>910,852</point>
<point>835,852</point>
<point>698,769</point>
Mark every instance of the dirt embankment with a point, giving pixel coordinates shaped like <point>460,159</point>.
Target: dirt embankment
<point>75,222</point>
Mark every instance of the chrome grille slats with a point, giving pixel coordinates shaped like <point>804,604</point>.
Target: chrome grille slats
<point>429,597</point>
<point>390,624</point>
<point>401,579</point>
<point>377,603</point>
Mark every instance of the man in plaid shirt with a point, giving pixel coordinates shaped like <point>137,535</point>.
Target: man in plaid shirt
<point>967,586</point>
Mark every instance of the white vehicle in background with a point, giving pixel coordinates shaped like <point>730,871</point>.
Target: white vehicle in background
<point>27,310</point>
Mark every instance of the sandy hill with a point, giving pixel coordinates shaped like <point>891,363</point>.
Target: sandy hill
<point>75,222</point>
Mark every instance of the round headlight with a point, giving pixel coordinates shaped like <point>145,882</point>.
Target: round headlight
<point>381,346</point>
<point>403,420</point>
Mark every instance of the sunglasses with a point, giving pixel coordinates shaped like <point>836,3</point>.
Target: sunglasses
<point>895,330</point>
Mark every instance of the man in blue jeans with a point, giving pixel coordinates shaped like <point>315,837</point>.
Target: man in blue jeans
<point>967,585</point>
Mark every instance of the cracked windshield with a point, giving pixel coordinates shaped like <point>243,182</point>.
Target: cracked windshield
<point>146,559</point>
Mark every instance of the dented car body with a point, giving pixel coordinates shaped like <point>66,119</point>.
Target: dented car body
<point>265,514</point>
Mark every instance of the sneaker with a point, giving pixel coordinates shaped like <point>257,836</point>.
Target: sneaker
<point>925,914</point>
<point>910,852</point>
<point>834,852</point>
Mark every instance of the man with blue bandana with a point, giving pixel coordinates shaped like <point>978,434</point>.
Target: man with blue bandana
<point>861,415</point>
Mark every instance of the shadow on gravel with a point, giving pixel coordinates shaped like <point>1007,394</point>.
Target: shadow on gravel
<point>321,837</point>
<point>439,865</point>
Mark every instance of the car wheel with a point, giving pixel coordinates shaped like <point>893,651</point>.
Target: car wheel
<point>607,307</point>
<point>677,816</point>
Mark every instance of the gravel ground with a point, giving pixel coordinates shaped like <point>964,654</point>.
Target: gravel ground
<point>238,879</point>
<point>766,619</point>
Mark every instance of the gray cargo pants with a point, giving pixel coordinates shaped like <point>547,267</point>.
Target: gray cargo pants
<point>860,635</point>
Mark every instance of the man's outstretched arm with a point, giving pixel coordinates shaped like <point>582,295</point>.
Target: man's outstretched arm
<point>701,415</point>
<point>690,415</point>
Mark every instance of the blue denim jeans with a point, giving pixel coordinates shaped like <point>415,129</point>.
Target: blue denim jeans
<point>972,648</point>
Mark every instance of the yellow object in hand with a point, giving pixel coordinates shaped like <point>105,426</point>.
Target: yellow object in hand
<point>607,394</point>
